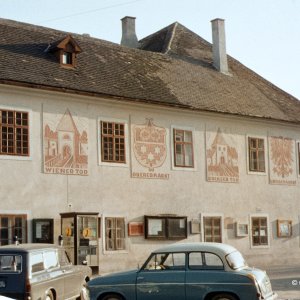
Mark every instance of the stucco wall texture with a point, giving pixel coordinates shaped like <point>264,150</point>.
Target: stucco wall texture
<point>125,190</point>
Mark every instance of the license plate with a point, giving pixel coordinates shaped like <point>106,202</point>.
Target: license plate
<point>2,284</point>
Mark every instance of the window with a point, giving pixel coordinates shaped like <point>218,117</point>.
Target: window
<point>67,58</point>
<point>183,148</point>
<point>165,227</point>
<point>113,142</point>
<point>114,234</point>
<point>66,50</point>
<point>12,226</point>
<point>205,260</point>
<point>212,229</point>
<point>166,261</point>
<point>36,261</point>
<point>256,154</point>
<point>236,260</point>
<point>259,231</point>
<point>14,133</point>
<point>50,259</point>
<point>10,263</point>
<point>63,258</point>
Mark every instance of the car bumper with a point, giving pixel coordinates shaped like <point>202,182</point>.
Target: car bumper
<point>271,297</point>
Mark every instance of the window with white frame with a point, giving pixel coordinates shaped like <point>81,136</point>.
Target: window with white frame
<point>183,148</point>
<point>114,234</point>
<point>113,142</point>
<point>14,132</point>
<point>212,229</point>
<point>13,227</point>
<point>259,231</point>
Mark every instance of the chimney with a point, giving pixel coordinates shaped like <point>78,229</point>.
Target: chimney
<point>219,46</point>
<point>129,37</point>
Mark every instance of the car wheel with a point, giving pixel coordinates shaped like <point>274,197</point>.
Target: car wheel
<point>49,296</point>
<point>112,297</point>
<point>224,297</point>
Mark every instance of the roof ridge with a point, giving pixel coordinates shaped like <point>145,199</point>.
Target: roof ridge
<point>174,27</point>
<point>43,29</point>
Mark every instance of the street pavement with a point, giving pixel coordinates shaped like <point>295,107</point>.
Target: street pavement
<point>285,281</point>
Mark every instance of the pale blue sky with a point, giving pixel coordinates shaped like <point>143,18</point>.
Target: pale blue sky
<point>264,35</point>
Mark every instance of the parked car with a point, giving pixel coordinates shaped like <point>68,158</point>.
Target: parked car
<point>40,271</point>
<point>191,271</point>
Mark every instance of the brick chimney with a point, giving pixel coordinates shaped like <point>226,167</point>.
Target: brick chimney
<point>219,46</point>
<point>129,37</point>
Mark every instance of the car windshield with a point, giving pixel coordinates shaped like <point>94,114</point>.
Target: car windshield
<point>236,260</point>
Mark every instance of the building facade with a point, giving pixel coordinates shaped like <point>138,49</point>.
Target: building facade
<point>119,150</point>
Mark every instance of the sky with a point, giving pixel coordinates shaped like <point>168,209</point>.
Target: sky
<point>264,35</point>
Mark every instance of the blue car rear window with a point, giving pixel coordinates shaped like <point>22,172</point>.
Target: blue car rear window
<point>10,263</point>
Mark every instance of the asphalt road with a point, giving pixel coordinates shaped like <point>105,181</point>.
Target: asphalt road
<point>286,282</point>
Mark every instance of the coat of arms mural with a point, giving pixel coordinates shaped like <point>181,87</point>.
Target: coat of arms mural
<point>65,144</point>
<point>221,157</point>
<point>150,150</point>
<point>282,160</point>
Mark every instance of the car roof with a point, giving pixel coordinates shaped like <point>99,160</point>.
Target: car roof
<point>218,248</point>
<point>26,247</point>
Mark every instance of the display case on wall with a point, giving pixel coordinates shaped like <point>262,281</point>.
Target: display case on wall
<point>80,237</point>
<point>165,227</point>
<point>42,231</point>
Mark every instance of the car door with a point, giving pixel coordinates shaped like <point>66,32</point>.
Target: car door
<point>45,273</point>
<point>205,273</point>
<point>162,278</point>
<point>72,276</point>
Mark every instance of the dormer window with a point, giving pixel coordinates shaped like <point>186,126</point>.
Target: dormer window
<point>66,51</point>
<point>67,58</point>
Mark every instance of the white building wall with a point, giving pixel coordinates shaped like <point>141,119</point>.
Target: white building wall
<point>111,191</point>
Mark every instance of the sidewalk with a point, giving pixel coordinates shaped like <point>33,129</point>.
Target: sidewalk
<point>285,281</point>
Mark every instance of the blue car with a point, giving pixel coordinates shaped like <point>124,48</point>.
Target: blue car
<point>191,271</point>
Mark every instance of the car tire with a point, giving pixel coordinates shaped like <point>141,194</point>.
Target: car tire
<point>224,297</point>
<point>112,297</point>
<point>49,296</point>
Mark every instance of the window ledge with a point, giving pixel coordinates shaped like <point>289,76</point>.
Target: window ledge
<point>108,252</point>
<point>16,157</point>
<point>188,169</point>
<point>257,173</point>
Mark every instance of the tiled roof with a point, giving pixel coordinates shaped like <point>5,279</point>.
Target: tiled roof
<point>172,67</point>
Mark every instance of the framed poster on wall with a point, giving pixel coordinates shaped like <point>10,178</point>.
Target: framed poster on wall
<point>42,231</point>
<point>284,228</point>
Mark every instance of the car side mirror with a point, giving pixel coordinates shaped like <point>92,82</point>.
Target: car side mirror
<point>84,262</point>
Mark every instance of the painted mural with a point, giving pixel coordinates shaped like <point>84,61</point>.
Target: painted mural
<point>65,144</point>
<point>282,160</point>
<point>150,150</point>
<point>221,157</point>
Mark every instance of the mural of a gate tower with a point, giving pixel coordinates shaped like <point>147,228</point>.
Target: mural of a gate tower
<point>222,157</point>
<point>65,148</point>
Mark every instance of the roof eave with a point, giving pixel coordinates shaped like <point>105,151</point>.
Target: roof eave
<point>138,100</point>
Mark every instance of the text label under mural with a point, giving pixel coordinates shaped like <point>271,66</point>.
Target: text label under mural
<point>221,157</point>
<point>282,160</point>
<point>150,151</point>
<point>65,144</point>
